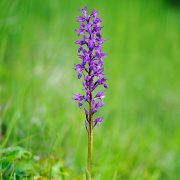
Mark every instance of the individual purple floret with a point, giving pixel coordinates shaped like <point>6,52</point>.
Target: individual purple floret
<point>91,67</point>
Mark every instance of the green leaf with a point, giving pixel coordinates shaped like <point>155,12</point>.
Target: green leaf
<point>16,151</point>
<point>88,177</point>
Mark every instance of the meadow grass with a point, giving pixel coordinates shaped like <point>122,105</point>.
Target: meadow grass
<point>139,136</point>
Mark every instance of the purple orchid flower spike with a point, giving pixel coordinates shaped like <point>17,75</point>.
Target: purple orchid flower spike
<point>92,64</point>
<point>91,70</point>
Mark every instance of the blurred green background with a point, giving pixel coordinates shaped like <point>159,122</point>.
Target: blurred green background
<point>139,137</point>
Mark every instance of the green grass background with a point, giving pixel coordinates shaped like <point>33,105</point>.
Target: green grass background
<point>139,137</point>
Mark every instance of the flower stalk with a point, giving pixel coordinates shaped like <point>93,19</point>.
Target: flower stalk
<point>91,68</point>
<point>90,134</point>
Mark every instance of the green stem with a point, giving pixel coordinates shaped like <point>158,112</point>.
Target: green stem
<point>90,135</point>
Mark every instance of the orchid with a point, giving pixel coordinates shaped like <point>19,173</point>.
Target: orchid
<point>91,71</point>
<point>91,67</point>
